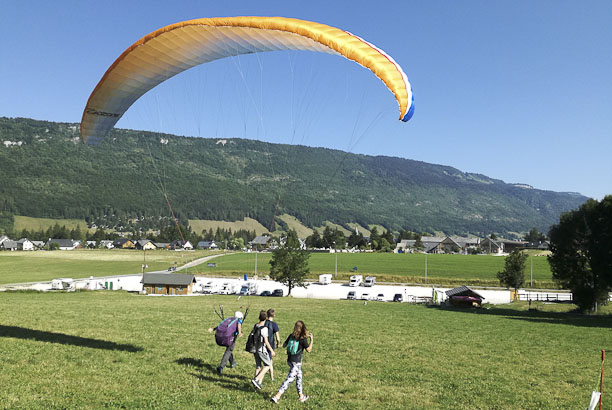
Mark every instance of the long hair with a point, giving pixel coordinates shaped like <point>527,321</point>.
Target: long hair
<point>299,330</point>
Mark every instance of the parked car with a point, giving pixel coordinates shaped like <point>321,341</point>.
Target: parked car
<point>380,297</point>
<point>351,295</point>
<point>277,292</point>
<point>365,296</point>
<point>265,293</point>
<point>398,297</point>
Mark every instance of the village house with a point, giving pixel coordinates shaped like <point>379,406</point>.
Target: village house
<point>25,244</point>
<point>108,244</point>
<point>145,245</point>
<point>168,283</point>
<point>180,244</point>
<point>260,242</point>
<point>38,244</point>
<point>64,244</point>
<point>207,245</point>
<point>8,245</point>
<point>123,243</point>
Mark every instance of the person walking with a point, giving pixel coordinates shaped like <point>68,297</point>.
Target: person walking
<point>262,358</point>
<point>228,355</point>
<point>296,343</point>
<point>273,337</point>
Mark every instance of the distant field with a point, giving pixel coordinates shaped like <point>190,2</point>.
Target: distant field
<point>17,267</point>
<point>441,269</point>
<point>249,224</point>
<point>37,224</point>
<point>387,267</point>
<point>92,350</point>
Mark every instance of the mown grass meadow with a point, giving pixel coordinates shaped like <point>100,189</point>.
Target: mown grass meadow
<point>392,267</point>
<point>118,350</point>
<point>449,270</point>
<point>32,266</point>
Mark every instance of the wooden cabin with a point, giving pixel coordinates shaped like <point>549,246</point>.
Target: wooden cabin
<point>463,296</point>
<point>168,283</point>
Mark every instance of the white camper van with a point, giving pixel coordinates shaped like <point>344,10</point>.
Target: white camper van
<point>325,279</point>
<point>356,280</point>
<point>62,284</point>
<point>249,288</point>
<point>209,287</point>
<point>370,281</point>
<point>228,288</point>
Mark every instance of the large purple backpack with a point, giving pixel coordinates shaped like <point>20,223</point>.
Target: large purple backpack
<point>226,331</point>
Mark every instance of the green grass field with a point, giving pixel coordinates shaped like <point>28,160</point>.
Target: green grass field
<point>249,224</point>
<point>37,224</point>
<point>18,267</point>
<point>389,267</point>
<point>117,350</point>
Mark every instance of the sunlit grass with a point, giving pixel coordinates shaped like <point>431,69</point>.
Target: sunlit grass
<point>16,267</point>
<point>118,350</point>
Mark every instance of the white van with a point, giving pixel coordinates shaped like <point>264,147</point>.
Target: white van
<point>356,280</point>
<point>209,287</point>
<point>325,279</point>
<point>228,288</point>
<point>62,284</point>
<point>249,288</point>
<point>370,281</point>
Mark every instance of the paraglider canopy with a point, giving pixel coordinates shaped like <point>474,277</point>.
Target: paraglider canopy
<point>173,49</point>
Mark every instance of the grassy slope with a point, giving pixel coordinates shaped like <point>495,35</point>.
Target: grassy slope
<point>37,224</point>
<point>17,267</point>
<point>113,350</point>
<point>249,224</point>
<point>294,223</point>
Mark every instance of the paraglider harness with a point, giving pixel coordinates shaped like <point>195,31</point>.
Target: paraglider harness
<point>228,328</point>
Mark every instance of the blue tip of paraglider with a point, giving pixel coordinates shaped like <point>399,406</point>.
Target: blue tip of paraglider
<point>410,112</point>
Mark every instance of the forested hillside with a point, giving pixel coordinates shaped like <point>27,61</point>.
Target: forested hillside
<point>46,171</point>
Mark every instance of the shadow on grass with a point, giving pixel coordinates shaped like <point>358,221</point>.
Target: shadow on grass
<point>64,339</point>
<point>207,372</point>
<point>537,316</point>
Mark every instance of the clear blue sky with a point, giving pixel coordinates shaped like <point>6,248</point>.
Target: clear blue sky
<point>516,90</point>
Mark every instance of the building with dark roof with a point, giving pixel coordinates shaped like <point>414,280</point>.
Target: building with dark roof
<point>463,296</point>
<point>168,283</point>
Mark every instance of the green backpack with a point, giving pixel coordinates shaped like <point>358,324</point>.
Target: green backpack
<point>293,346</point>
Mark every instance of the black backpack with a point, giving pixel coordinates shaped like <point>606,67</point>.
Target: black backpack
<point>255,340</point>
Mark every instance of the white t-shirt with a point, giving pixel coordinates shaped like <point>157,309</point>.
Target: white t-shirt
<point>264,334</point>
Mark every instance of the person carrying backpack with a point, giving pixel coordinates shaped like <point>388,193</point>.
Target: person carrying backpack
<point>226,333</point>
<point>296,343</point>
<point>273,338</point>
<point>259,334</point>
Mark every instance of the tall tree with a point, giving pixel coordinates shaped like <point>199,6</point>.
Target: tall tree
<point>535,236</point>
<point>581,259</point>
<point>289,264</point>
<point>513,275</point>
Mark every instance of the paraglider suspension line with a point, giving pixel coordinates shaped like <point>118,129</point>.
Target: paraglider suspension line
<point>274,216</point>
<point>175,220</point>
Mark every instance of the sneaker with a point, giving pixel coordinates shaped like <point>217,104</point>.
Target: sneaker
<point>219,370</point>
<point>256,384</point>
<point>232,365</point>
<point>303,398</point>
<point>274,399</point>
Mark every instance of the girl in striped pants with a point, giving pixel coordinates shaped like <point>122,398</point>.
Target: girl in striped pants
<point>296,343</point>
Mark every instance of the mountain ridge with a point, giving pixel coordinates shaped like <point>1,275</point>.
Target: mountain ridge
<point>46,171</point>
